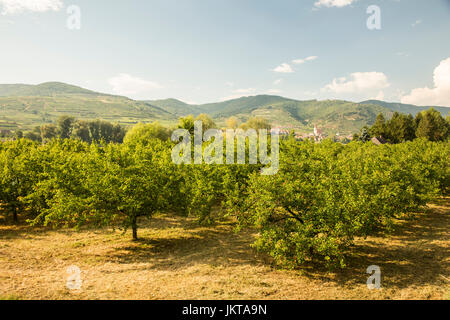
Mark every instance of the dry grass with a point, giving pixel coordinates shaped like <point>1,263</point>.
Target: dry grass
<point>181,260</point>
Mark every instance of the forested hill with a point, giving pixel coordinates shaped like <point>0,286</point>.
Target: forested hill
<point>25,106</point>
<point>405,108</point>
<point>331,115</point>
<point>43,89</point>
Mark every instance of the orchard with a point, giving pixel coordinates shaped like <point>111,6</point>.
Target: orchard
<point>323,196</point>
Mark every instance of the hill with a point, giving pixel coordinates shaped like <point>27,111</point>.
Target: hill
<point>176,107</point>
<point>43,89</point>
<point>331,115</point>
<point>25,106</point>
<point>405,108</point>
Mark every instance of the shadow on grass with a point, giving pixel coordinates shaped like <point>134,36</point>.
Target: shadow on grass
<point>214,245</point>
<point>10,230</point>
<point>416,253</point>
<point>413,255</point>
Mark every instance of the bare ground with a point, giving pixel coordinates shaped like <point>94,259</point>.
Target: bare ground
<point>177,259</point>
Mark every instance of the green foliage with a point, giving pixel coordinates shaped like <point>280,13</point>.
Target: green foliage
<point>432,126</point>
<point>207,122</point>
<point>379,127</point>
<point>323,196</point>
<point>65,126</point>
<point>187,123</point>
<point>364,136</point>
<point>326,194</point>
<point>143,133</point>
<point>232,123</point>
<point>18,173</point>
<point>104,185</point>
<point>400,128</point>
<point>211,190</point>
<point>87,131</point>
<point>256,123</point>
<point>48,132</point>
<point>34,135</point>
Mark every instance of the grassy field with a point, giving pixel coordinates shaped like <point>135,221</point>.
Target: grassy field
<point>177,259</point>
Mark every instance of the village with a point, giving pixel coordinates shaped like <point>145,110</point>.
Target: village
<point>316,135</point>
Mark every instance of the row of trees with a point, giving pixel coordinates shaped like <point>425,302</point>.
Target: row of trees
<point>70,182</point>
<point>252,123</point>
<point>231,123</point>
<point>69,127</point>
<point>156,130</point>
<point>400,128</point>
<point>96,130</point>
<point>323,196</point>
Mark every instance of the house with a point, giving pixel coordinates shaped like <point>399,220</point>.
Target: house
<point>317,131</point>
<point>318,135</point>
<point>379,140</point>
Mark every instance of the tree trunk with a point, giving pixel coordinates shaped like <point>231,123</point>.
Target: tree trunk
<point>134,227</point>
<point>16,219</point>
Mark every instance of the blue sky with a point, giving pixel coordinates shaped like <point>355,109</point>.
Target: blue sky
<point>208,50</point>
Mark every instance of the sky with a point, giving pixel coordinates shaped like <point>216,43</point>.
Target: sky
<point>202,51</point>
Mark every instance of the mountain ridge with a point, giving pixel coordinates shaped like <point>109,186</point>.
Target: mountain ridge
<point>44,89</point>
<point>23,106</point>
<point>405,108</point>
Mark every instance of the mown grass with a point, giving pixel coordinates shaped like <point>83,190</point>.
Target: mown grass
<point>178,259</point>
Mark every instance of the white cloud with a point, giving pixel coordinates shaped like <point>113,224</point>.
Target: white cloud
<point>278,82</point>
<point>283,68</point>
<point>439,95</point>
<point>333,3</point>
<point>301,61</point>
<point>358,82</point>
<point>125,84</point>
<point>19,6</point>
